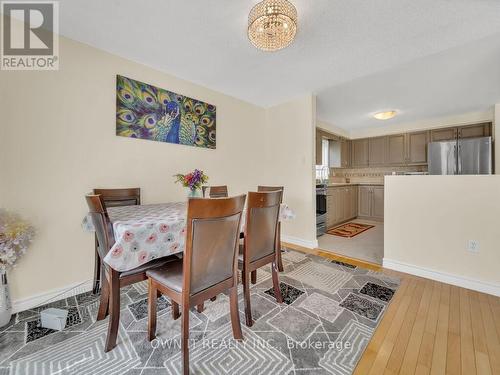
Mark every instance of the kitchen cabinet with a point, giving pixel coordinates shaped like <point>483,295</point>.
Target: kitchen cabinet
<point>345,153</point>
<point>378,202</point>
<point>473,131</point>
<point>376,151</point>
<point>416,148</point>
<point>396,149</point>
<point>319,147</point>
<point>359,153</point>
<point>392,150</point>
<point>467,131</point>
<point>371,202</point>
<point>341,204</point>
<point>447,134</point>
<point>364,201</point>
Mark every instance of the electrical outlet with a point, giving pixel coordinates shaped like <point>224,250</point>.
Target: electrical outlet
<point>473,246</point>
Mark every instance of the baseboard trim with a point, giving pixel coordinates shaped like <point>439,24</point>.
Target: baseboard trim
<point>300,242</point>
<point>51,296</point>
<point>448,278</point>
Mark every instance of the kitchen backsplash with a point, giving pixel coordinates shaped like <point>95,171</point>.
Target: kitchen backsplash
<point>371,174</point>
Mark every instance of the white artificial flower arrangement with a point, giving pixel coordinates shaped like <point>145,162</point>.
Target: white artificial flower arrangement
<point>15,237</point>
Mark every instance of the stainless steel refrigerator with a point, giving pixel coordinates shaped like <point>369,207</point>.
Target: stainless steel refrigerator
<point>463,156</point>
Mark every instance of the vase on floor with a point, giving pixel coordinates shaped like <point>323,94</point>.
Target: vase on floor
<point>193,193</point>
<point>5,304</point>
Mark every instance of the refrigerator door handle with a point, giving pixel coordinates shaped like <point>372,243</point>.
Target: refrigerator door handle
<point>459,158</point>
<point>453,166</point>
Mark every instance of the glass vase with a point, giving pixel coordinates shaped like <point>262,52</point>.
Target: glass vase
<point>193,193</point>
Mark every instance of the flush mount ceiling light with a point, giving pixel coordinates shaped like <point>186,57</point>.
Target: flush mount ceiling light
<point>385,115</point>
<point>272,24</point>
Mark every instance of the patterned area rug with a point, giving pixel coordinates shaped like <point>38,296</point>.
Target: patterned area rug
<point>330,312</point>
<point>349,230</point>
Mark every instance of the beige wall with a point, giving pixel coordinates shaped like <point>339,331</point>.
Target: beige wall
<point>332,128</point>
<point>430,219</point>
<point>291,122</point>
<point>58,142</point>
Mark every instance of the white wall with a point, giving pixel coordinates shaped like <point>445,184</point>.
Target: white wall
<point>430,219</point>
<point>58,142</point>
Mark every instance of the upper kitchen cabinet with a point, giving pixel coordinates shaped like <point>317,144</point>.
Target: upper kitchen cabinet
<point>319,147</point>
<point>359,152</point>
<point>376,151</point>
<point>468,131</point>
<point>447,134</point>
<point>473,131</point>
<point>345,153</point>
<point>416,148</point>
<point>396,148</point>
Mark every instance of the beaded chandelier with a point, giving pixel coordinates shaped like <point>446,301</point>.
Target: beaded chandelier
<point>272,24</point>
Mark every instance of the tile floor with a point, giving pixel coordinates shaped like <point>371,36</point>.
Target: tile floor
<point>367,246</point>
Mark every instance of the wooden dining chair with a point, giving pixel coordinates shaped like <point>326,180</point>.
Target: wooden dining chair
<point>113,280</point>
<point>209,265</point>
<point>112,198</point>
<point>278,237</point>
<point>259,245</point>
<point>215,191</point>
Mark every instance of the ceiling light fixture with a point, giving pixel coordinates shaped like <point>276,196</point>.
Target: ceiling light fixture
<point>385,115</point>
<point>272,24</point>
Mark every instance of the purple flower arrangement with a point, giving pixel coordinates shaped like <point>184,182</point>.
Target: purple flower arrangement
<point>193,180</point>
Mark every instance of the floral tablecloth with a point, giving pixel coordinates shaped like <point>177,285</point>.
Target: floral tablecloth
<point>147,232</point>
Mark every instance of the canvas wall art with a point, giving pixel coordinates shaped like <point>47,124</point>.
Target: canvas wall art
<point>148,112</point>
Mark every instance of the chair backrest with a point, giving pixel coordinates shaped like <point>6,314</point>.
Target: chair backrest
<point>261,224</point>
<point>212,239</point>
<point>102,225</point>
<point>215,191</point>
<point>120,197</point>
<point>271,188</point>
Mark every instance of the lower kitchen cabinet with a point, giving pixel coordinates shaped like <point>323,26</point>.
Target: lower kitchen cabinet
<point>342,204</point>
<point>371,202</point>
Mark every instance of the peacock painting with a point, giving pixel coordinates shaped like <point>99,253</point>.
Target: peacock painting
<point>148,112</point>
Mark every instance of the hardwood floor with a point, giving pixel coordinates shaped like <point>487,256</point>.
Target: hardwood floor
<point>431,328</point>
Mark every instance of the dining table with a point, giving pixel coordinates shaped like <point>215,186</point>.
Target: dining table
<point>151,231</point>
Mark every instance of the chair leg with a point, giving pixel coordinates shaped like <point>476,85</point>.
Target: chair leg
<point>114,310</point>
<point>200,307</point>
<point>235,315</point>
<point>246,294</point>
<point>104,301</point>
<point>185,338</point>
<point>97,271</point>
<point>175,310</point>
<point>276,283</point>
<point>278,252</point>
<point>253,277</point>
<point>152,304</point>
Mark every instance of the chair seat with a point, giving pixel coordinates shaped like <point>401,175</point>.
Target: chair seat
<point>169,275</point>
<point>240,257</point>
<point>146,266</point>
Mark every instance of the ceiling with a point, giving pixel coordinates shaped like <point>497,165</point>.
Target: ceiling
<point>338,42</point>
<point>457,81</point>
